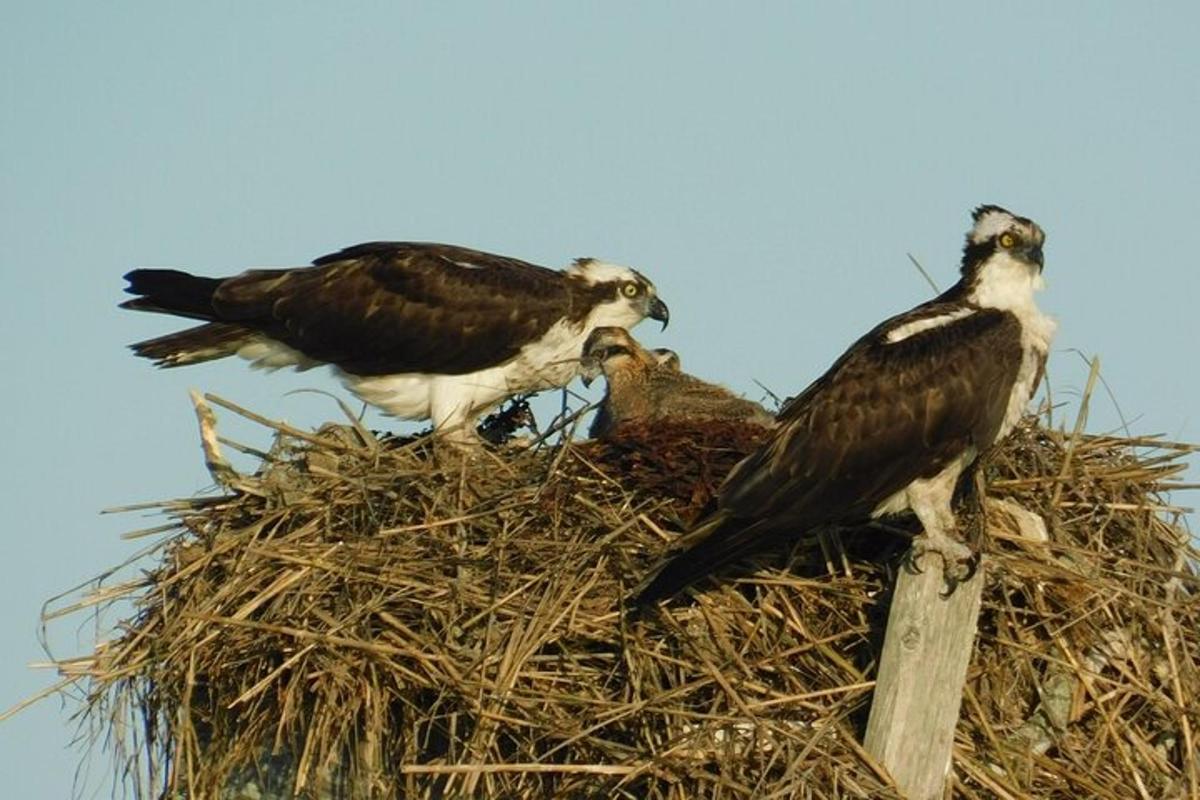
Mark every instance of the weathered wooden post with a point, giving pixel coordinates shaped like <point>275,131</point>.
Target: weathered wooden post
<point>922,670</point>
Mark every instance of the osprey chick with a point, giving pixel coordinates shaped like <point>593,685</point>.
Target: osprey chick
<point>649,385</point>
<point>896,420</point>
<point>668,358</point>
<point>423,331</point>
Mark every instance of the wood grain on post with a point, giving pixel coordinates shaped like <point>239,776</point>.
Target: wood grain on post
<point>919,689</point>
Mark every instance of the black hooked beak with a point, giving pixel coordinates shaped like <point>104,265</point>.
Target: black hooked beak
<point>660,312</point>
<point>589,369</point>
<point>1034,254</point>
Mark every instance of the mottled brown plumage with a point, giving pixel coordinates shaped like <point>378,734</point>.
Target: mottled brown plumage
<point>649,385</point>
<point>344,309</point>
<point>420,330</point>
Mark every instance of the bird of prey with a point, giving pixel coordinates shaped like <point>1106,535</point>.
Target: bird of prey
<point>649,385</point>
<point>423,331</point>
<point>895,421</point>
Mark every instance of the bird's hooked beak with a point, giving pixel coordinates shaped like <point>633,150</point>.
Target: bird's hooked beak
<point>589,368</point>
<point>1034,256</point>
<point>660,312</point>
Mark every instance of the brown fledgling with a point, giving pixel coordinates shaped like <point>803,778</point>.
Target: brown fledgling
<point>649,385</point>
<point>668,358</point>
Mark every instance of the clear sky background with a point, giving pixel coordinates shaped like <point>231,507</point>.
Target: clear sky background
<point>768,165</point>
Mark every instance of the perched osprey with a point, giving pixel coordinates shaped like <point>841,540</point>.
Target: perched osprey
<point>649,385</point>
<point>423,331</point>
<point>895,420</point>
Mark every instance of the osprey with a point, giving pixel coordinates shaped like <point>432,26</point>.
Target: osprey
<point>423,331</point>
<point>896,420</point>
<point>649,385</point>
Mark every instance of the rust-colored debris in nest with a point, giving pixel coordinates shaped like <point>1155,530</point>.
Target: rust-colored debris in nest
<point>367,620</point>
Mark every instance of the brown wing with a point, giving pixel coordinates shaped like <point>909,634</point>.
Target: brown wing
<point>885,415</point>
<point>386,308</point>
<point>677,395</point>
<point>881,417</point>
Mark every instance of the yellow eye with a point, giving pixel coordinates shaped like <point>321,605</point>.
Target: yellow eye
<point>630,289</point>
<point>1007,240</point>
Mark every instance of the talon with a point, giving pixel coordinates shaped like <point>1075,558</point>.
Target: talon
<point>959,563</point>
<point>973,565</point>
<point>911,560</point>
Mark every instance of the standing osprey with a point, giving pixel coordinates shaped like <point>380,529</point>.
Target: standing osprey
<point>895,420</point>
<point>423,331</point>
<point>649,385</point>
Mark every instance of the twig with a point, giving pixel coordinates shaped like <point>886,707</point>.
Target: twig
<point>924,274</point>
<point>1080,422</point>
<point>220,469</point>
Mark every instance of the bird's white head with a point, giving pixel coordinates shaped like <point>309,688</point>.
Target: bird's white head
<point>1002,260</point>
<point>620,296</point>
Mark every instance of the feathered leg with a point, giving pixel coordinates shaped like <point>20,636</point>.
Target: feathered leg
<point>930,501</point>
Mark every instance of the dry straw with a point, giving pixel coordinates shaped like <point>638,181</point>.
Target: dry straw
<point>361,619</point>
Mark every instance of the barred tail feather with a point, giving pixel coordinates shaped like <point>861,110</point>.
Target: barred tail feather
<point>194,345</point>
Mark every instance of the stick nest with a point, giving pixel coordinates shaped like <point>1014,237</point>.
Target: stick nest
<point>363,619</point>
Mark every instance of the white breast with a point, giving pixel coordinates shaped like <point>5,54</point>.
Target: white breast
<point>1009,285</point>
<point>458,400</point>
<point>1037,330</point>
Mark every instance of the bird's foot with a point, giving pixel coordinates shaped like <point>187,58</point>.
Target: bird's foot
<point>959,563</point>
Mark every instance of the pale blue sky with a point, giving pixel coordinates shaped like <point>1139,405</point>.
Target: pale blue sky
<point>768,165</point>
